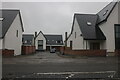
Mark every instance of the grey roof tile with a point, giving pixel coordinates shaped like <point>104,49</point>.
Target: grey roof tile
<point>54,39</point>
<point>29,38</point>
<point>105,12</point>
<point>8,18</point>
<point>91,31</point>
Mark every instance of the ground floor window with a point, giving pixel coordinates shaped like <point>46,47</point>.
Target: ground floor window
<point>94,45</point>
<point>40,44</point>
<point>117,36</point>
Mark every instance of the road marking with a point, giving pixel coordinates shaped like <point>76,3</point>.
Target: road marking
<point>100,72</point>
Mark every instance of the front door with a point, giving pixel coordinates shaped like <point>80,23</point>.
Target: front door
<point>40,44</point>
<point>70,44</point>
<point>95,46</point>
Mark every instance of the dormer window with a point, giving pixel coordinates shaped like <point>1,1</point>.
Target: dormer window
<point>1,19</point>
<point>89,23</point>
<point>105,13</point>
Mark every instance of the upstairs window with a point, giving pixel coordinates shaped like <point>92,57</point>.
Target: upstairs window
<point>25,41</point>
<point>17,33</point>
<point>58,41</point>
<point>1,19</point>
<point>105,13</point>
<point>89,23</point>
<point>75,34</point>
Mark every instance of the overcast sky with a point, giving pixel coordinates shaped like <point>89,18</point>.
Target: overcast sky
<point>52,17</point>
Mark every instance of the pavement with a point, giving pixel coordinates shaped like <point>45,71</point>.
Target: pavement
<point>54,65</point>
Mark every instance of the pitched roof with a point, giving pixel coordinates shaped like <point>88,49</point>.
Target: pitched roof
<point>105,12</point>
<point>54,39</point>
<point>28,37</point>
<point>89,23</point>
<point>8,18</point>
<point>39,33</point>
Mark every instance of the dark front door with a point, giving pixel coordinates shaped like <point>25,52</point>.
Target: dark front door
<point>40,44</point>
<point>94,46</point>
<point>70,44</point>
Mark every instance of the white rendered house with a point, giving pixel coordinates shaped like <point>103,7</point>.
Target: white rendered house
<point>40,41</point>
<point>12,29</point>
<point>96,31</point>
<point>46,42</point>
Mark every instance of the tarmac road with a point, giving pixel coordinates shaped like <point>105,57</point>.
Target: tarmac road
<point>45,64</point>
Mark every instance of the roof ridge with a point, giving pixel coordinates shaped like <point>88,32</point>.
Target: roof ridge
<point>83,14</point>
<point>106,6</point>
<point>11,9</point>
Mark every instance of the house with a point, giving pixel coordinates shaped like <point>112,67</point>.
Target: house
<point>99,31</point>
<point>54,41</point>
<point>12,29</point>
<point>28,39</point>
<point>40,41</point>
<point>46,42</point>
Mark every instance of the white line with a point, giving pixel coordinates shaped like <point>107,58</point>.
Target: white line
<point>79,72</point>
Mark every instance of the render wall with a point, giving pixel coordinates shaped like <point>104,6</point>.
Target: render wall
<point>108,30</point>
<point>11,41</point>
<point>78,42</point>
<point>40,37</point>
<point>0,43</point>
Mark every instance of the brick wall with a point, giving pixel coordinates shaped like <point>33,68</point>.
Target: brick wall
<point>67,50</point>
<point>28,50</point>
<point>117,52</point>
<point>7,52</point>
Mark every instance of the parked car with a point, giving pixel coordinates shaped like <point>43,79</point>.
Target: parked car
<point>52,50</point>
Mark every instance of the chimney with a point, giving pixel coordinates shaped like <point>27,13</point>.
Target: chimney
<point>35,34</point>
<point>35,37</point>
<point>65,39</point>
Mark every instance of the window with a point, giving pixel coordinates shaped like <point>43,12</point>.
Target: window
<point>105,13</point>
<point>75,34</point>
<point>95,46</point>
<point>58,41</point>
<point>22,39</point>
<point>17,33</point>
<point>40,42</point>
<point>70,44</point>
<point>1,19</point>
<point>89,23</point>
<point>117,36</point>
<point>26,41</point>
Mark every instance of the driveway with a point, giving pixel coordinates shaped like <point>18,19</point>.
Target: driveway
<point>50,63</point>
<point>47,57</point>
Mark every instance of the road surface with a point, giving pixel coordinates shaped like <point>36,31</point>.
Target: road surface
<point>50,65</point>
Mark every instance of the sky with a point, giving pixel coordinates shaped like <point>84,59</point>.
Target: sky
<point>52,17</point>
